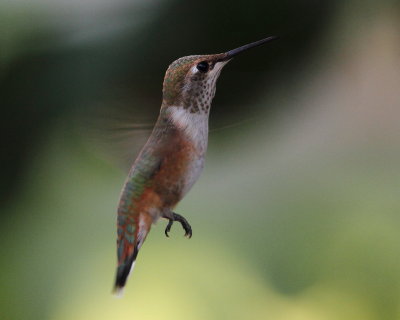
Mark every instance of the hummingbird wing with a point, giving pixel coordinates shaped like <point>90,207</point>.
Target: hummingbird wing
<point>133,223</point>
<point>116,140</point>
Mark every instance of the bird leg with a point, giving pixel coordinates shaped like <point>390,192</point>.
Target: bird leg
<point>177,217</point>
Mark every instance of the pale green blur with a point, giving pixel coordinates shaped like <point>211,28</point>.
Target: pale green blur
<point>296,216</point>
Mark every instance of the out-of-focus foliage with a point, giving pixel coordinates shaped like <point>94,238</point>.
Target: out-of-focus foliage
<point>297,213</point>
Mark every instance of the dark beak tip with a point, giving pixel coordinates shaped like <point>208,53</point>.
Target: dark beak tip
<point>230,54</point>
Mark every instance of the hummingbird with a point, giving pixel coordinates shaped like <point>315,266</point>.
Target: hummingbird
<point>173,157</point>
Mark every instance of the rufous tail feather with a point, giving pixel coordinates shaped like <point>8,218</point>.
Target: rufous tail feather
<point>130,238</point>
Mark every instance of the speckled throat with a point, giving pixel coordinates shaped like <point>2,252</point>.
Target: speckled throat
<point>198,98</point>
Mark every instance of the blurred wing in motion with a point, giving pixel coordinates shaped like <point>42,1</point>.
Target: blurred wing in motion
<point>115,135</point>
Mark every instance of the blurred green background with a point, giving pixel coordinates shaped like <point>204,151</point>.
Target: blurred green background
<point>297,213</point>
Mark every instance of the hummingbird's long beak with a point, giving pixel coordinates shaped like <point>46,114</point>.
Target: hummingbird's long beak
<point>230,54</point>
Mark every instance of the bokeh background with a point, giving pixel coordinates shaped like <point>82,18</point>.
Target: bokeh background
<point>297,214</point>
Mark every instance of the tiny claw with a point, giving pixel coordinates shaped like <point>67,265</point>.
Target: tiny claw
<point>188,232</point>
<point>168,228</point>
<point>188,235</point>
<point>185,224</point>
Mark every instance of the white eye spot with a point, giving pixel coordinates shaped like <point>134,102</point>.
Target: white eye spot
<point>194,70</point>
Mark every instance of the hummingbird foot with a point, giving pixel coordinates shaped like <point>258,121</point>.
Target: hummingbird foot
<point>185,224</point>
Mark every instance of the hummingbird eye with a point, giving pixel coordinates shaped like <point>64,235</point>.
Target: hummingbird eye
<point>202,66</point>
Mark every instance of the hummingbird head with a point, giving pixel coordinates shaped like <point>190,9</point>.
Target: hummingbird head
<point>190,81</point>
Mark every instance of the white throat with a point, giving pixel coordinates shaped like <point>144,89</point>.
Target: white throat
<point>194,125</point>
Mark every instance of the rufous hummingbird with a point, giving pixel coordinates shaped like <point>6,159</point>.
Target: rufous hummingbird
<point>173,157</point>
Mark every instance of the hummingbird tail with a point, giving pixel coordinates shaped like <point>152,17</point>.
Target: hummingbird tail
<point>123,272</point>
<point>128,245</point>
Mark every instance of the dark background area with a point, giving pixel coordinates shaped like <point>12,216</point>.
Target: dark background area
<point>52,78</point>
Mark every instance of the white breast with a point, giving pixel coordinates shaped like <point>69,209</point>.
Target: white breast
<point>195,127</point>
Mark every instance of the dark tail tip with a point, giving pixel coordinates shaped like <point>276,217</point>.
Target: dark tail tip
<point>123,272</point>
